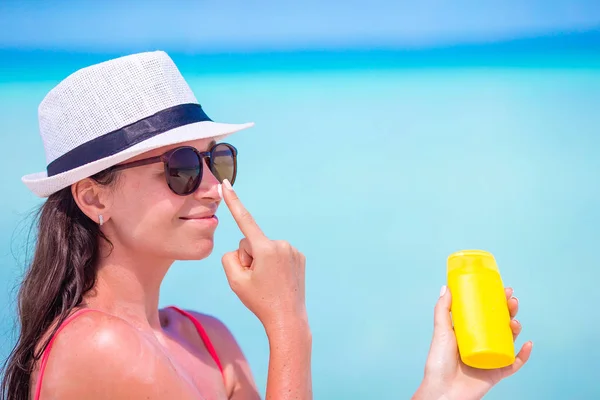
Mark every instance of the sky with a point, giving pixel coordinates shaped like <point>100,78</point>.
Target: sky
<point>243,25</point>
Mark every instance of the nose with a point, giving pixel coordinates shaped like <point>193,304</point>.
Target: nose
<point>209,183</point>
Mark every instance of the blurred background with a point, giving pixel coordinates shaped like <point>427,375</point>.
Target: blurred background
<point>388,135</point>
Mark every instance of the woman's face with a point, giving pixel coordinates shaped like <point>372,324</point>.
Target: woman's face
<point>148,219</point>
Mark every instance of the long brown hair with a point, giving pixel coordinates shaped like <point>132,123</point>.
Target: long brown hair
<point>62,271</point>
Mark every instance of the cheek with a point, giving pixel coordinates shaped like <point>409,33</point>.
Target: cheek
<point>144,210</point>
<point>146,220</point>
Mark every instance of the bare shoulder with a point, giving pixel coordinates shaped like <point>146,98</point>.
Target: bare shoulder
<point>100,356</point>
<point>217,330</point>
<point>241,384</point>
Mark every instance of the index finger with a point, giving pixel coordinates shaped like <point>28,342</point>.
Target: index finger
<point>242,217</point>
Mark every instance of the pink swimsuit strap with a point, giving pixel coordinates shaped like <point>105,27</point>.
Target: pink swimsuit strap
<point>46,353</point>
<point>203,335</point>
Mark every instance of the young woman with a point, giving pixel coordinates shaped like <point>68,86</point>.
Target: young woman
<point>135,173</point>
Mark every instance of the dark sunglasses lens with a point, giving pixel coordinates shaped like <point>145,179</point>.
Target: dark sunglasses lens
<point>223,163</point>
<point>183,172</point>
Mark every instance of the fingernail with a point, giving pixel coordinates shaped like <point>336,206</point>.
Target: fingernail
<point>220,190</point>
<point>516,299</point>
<point>443,291</point>
<point>227,184</point>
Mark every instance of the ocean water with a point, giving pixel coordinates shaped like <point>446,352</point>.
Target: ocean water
<point>377,175</point>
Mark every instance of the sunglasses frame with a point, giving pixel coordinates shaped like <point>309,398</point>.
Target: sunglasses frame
<point>206,156</point>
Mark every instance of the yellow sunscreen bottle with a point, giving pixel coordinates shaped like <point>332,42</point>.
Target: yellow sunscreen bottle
<point>480,310</point>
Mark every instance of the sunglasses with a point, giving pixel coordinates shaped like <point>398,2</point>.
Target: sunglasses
<point>183,166</point>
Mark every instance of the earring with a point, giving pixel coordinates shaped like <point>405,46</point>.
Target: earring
<point>100,219</point>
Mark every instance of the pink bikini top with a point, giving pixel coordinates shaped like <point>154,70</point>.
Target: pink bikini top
<point>197,324</point>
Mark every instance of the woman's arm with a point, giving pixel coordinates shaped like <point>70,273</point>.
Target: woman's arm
<point>268,277</point>
<point>290,360</point>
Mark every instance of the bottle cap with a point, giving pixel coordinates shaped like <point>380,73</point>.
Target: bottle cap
<point>471,259</point>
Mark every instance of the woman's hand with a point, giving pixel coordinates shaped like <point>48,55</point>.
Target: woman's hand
<point>446,376</point>
<point>267,275</point>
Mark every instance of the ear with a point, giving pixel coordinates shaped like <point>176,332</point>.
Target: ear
<point>92,199</point>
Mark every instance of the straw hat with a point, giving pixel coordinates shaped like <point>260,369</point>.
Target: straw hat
<point>109,112</point>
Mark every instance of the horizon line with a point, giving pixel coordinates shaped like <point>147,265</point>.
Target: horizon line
<point>588,38</point>
<point>572,50</point>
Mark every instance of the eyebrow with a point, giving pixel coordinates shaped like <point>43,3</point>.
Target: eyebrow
<point>211,144</point>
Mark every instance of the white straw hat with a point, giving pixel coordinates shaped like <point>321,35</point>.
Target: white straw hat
<point>109,112</point>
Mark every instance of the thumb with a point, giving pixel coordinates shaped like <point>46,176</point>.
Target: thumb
<point>245,253</point>
<point>233,268</point>
<point>442,322</point>
<point>443,348</point>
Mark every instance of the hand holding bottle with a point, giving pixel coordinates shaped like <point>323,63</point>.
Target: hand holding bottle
<point>483,313</point>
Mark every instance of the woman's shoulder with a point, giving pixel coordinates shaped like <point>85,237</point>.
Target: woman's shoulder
<point>102,353</point>
<point>236,369</point>
<point>93,331</point>
<point>217,331</point>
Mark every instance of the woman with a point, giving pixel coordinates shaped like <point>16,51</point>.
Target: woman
<point>135,174</point>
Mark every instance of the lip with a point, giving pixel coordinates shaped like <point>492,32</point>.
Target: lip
<point>209,220</point>
<point>206,213</point>
<point>196,217</point>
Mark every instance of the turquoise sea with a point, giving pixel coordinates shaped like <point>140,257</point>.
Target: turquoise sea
<point>377,170</point>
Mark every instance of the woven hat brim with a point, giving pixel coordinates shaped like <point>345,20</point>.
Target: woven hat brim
<point>43,186</point>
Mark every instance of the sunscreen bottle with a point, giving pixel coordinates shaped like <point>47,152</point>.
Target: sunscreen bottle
<point>480,310</point>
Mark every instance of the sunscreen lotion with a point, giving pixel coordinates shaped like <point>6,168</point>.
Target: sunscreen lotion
<point>480,310</point>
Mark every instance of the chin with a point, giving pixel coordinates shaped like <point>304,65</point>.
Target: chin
<point>197,251</point>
